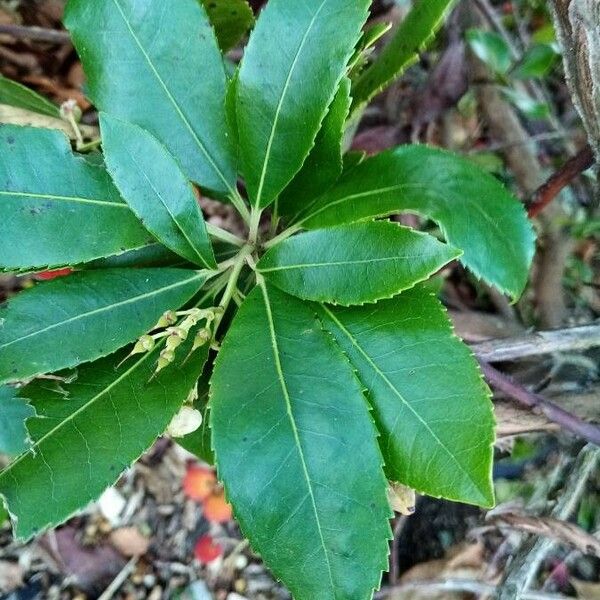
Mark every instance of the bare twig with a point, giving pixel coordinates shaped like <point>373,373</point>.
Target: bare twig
<point>553,529</point>
<point>560,180</point>
<point>471,586</point>
<point>540,342</point>
<point>119,580</point>
<point>553,412</point>
<point>524,567</point>
<point>37,34</point>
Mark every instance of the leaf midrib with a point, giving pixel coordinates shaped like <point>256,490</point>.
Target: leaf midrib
<point>102,309</point>
<point>171,98</point>
<point>191,245</point>
<point>397,393</point>
<point>278,366</point>
<point>71,417</point>
<point>77,199</point>
<point>280,104</point>
<point>340,263</point>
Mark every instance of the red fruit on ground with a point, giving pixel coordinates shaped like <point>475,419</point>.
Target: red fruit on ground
<point>206,549</point>
<point>199,483</point>
<point>216,508</point>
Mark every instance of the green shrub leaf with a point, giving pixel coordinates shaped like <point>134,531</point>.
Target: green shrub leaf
<point>231,20</point>
<point>430,403</point>
<point>89,431</point>
<point>15,94</point>
<point>353,264</point>
<point>14,411</point>
<point>286,82</point>
<point>298,451</point>
<point>155,188</point>
<point>474,210</point>
<point>415,32</point>
<point>56,208</point>
<point>159,66</point>
<point>323,165</point>
<point>86,315</point>
<point>537,62</point>
<point>491,48</point>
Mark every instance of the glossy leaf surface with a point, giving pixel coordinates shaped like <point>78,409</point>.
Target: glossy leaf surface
<point>86,315</point>
<point>475,212</point>
<point>323,165</point>
<point>14,413</point>
<point>85,439</point>
<point>15,94</point>
<point>430,403</point>
<point>56,208</point>
<point>153,185</point>
<point>286,83</point>
<point>283,440</point>
<point>158,65</point>
<point>410,37</point>
<point>353,264</point>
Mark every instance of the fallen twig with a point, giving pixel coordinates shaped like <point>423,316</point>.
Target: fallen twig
<point>553,412</point>
<point>560,180</point>
<point>554,529</point>
<point>539,342</point>
<point>524,566</point>
<point>37,34</point>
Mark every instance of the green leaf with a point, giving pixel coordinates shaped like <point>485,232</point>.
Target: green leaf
<point>323,165</point>
<point>411,36</point>
<point>529,106</point>
<point>231,20</point>
<point>491,48</point>
<point>87,435</point>
<point>537,62</point>
<point>159,66</point>
<point>15,94</point>
<point>293,64</point>
<point>474,210</point>
<point>354,264</point>
<point>75,319</point>
<point>56,208</point>
<point>155,188</point>
<point>297,451</point>
<point>430,403</point>
<point>14,411</point>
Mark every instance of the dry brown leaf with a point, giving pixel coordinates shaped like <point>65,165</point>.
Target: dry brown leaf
<point>587,590</point>
<point>463,561</point>
<point>20,116</point>
<point>402,498</point>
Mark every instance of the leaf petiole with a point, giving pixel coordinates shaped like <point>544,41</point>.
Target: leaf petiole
<point>223,235</point>
<point>234,275</point>
<point>240,205</point>
<point>286,233</point>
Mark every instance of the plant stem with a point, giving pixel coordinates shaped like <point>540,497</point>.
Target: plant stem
<point>238,265</point>
<point>223,235</point>
<point>240,205</point>
<point>286,233</point>
<point>254,225</point>
<point>561,179</point>
<point>89,145</point>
